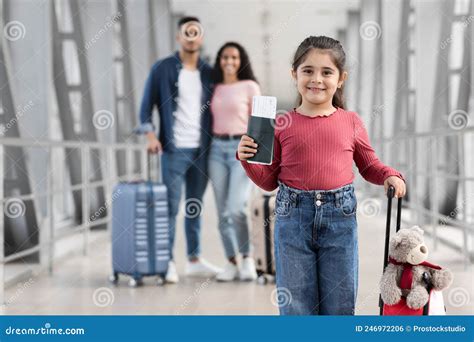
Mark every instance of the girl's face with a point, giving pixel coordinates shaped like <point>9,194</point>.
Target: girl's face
<point>230,61</point>
<point>318,78</point>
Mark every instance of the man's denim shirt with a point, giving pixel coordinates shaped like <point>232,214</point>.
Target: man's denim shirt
<point>161,89</point>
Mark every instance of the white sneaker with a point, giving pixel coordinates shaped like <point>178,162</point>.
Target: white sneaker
<point>201,268</point>
<point>247,270</point>
<point>230,272</point>
<point>172,274</point>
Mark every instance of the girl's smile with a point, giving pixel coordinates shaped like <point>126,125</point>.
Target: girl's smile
<point>315,89</point>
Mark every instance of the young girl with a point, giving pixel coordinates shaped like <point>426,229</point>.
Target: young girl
<point>231,107</point>
<point>316,249</point>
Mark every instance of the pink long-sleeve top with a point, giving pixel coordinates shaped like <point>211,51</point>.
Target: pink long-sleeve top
<point>317,153</point>
<point>231,106</point>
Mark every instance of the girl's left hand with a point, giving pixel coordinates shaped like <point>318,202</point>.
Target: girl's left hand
<point>397,183</point>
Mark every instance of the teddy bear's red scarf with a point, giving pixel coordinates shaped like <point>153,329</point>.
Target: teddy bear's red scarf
<point>407,274</point>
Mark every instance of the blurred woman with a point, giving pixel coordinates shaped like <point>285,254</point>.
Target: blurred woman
<point>231,106</point>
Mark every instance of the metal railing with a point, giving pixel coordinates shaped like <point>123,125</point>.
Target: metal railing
<point>412,173</point>
<point>47,241</point>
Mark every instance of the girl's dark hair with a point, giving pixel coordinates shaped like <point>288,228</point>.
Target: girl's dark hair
<point>338,57</point>
<point>245,71</point>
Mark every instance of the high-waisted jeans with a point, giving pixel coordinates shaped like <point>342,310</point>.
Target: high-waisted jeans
<point>316,251</point>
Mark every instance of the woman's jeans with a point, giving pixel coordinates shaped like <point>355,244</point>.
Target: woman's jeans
<point>316,251</point>
<point>232,190</point>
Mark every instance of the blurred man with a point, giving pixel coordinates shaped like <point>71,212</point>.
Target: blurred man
<point>180,87</point>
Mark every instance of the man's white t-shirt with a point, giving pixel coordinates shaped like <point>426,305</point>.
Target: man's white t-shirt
<point>187,117</point>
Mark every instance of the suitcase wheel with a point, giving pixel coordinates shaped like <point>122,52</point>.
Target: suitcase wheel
<point>135,282</point>
<point>160,280</point>
<point>262,280</point>
<point>265,279</point>
<point>113,278</point>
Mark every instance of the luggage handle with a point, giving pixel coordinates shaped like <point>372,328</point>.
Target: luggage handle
<point>390,195</point>
<point>138,131</point>
<point>148,167</point>
<point>267,233</point>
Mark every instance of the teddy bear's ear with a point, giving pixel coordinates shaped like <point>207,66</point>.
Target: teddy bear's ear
<point>396,241</point>
<point>418,230</point>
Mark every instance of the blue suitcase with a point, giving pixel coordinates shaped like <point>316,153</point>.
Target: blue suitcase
<point>140,236</point>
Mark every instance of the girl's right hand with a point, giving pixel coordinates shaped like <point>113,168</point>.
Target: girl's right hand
<point>247,148</point>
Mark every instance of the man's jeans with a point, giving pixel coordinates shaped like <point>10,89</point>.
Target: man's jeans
<point>316,251</point>
<point>232,190</point>
<point>185,166</point>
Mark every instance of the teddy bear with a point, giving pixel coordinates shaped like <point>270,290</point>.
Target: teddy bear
<point>408,274</point>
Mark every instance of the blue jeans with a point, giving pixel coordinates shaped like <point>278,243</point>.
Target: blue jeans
<point>316,251</point>
<point>232,190</point>
<point>185,166</point>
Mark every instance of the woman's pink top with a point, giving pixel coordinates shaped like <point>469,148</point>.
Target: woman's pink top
<point>231,106</point>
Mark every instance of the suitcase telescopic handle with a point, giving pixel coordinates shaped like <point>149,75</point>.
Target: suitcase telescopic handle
<point>390,195</point>
<point>148,167</point>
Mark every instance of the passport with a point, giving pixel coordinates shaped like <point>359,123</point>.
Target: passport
<point>261,128</point>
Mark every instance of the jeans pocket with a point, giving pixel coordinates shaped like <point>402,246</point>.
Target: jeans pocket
<point>282,208</point>
<point>349,206</point>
